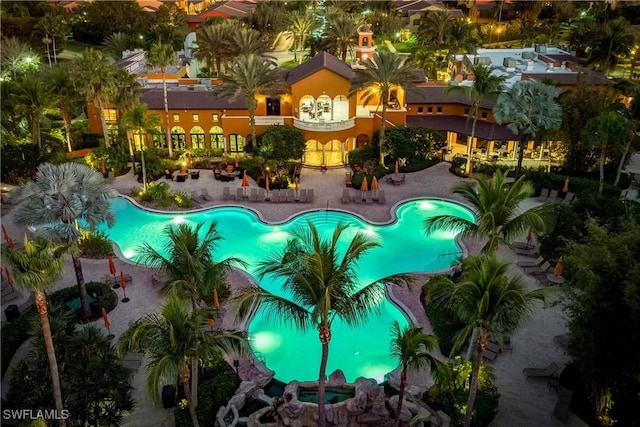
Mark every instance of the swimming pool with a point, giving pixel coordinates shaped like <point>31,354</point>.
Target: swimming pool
<point>290,353</point>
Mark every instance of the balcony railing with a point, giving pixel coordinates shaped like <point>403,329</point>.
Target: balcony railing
<point>269,120</point>
<point>324,126</point>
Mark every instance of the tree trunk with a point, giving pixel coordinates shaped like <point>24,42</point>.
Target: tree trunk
<point>251,104</point>
<point>187,394</point>
<point>470,140</point>
<point>41,305</point>
<point>36,132</point>
<point>325,337</point>
<point>520,154</point>
<point>144,169</point>
<point>382,127</point>
<point>622,160</point>
<point>103,121</point>
<point>86,309</point>
<point>166,113</point>
<point>473,384</point>
<point>55,55</point>
<point>603,156</point>
<point>67,128</point>
<point>403,384</point>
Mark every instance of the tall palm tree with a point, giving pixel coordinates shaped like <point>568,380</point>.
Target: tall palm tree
<point>426,59</point>
<point>384,72</point>
<point>213,45</point>
<point>342,31</point>
<point>302,24</point>
<point>488,303</point>
<point>244,41</point>
<point>412,349</point>
<point>33,97</point>
<point>462,37</point>
<point>95,80</point>
<point>529,107</point>
<point>441,22</point>
<point>162,55</point>
<point>485,85</point>
<point>140,123</point>
<point>322,281</point>
<point>608,132</point>
<point>60,200</point>
<point>615,40</point>
<point>250,76</point>
<point>187,260</point>
<point>173,341</point>
<point>633,114</point>
<point>117,43</point>
<point>36,267</point>
<point>496,206</point>
<point>65,97</point>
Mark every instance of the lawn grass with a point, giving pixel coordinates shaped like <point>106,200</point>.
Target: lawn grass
<point>75,46</point>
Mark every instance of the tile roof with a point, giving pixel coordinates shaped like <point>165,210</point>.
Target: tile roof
<point>437,95</point>
<point>484,130</point>
<point>185,99</point>
<point>321,60</point>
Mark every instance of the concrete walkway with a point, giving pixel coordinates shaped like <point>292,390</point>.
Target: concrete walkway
<point>522,403</point>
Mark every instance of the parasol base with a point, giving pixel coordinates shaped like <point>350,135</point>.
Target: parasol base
<point>110,337</point>
<point>125,300</point>
<point>116,286</point>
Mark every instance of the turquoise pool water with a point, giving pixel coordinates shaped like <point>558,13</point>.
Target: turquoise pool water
<point>290,353</point>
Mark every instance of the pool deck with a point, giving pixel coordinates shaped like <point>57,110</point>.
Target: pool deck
<point>522,403</point>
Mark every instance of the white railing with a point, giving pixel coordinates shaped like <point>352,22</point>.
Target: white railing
<point>269,120</point>
<point>325,126</point>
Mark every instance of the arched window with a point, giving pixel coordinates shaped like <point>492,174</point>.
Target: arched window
<point>197,137</point>
<point>159,138</point>
<point>178,138</point>
<point>216,138</point>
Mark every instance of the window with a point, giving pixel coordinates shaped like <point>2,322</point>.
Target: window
<point>196,117</point>
<point>176,117</point>
<point>216,138</point>
<point>159,139</point>
<point>429,110</point>
<point>466,111</point>
<point>420,110</point>
<point>111,114</point>
<point>236,143</point>
<point>484,116</point>
<point>197,137</point>
<point>216,117</point>
<point>438,110</point>
<point>178,138</point>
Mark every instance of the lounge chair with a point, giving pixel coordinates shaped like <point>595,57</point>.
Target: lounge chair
<point>226,193</point>
<point>381,198</point>
<point>239,193</point>
<point>303,195</point>
<point>531,252</point>
<point>568,198</point>
<point>275,196</point>
<point>550,371</point>
<point>523,245</point>
<point>489,355</point>
<point>254,195</point>
<point>367,197</point>
<point>544,194</point>
<point>345,195</point>
<point>357,197</point>
<point>553,195</point>
<point>261,195</point>
<point>535,270</point>
<point>531,263</point>
<point>290,195</point>
<point>205,195</point>
<point>194,196</point>
<point>561,410</point>
<point>310,195</point>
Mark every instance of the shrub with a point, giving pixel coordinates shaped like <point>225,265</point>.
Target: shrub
<point>279,183</point>
<point>113,157</point>
<point>12,335</point>
<point>363,155</point>
<point>445,324</point>
<point>95,245</point>
<point>104,295</point>
<point>159,193</point>
<point>182,200</point>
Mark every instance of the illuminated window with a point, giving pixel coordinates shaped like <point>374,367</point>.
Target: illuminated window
<point>216,117</point>
<point>176,117</point>
<point>196,117</point>
<point>178,138</point>
<point>197,137</point>
<point>236,143</point>
<point>111,114</point>
<point>216,138</point>
<point>159,138</point>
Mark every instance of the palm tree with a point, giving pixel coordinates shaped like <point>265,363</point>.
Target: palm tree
<point>608,132</point>
<point>496,206</point>
<point>37,267</point>
<point>162,55</point>
<point>633,114</point>
<point>245,41</point>
<point>33,97</point>
<point>462,37</point>
<point>95,80</point>
<point>117,43</point>
<point>173,341</point>
<point>530,107</point>
<point>488,303</point>
<point>65,97</point>
<point>485,85</point>
<point>140,124</point>
<point>615,40</point>
<point>62,198</point>
<point>322,281</point>
<point>441,21</point>
<point>250,76</point>
<point>302,24</point>
<point>427,60</point>
<point>213,45</point>
<point>384,72</point>
<point>189,264</point>
<point>342,31</point>
<point>412,349</point>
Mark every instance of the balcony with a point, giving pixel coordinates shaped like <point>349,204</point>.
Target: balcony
<point>324,126</point>
<point>269,120</point>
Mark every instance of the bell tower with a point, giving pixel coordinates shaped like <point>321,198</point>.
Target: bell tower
<point>365,48</point>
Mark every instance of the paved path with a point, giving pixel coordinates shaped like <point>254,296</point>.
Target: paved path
<point>522,403</point>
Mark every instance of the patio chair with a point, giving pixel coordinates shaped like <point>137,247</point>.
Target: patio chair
<point>561,410</point>
<point>523,245</point>
<point>226,193</point>
<point>239,193</point>
<point>303,195</point>
<point>254,195</point>
<point>205,195</point>
<point>568,198</point>
<point>181,178</point>
<point>553,195</point>
<point>544,194</point>
<point>489,355</point>
<point>261,195</point>
<point>290,195</point>
<point>531,252</point>
<point>194,196</point>
<point>168,175</point>
<point>356,196</point>
<point>551,371</point>
<point>345,195</point>
<point>310,195</point>
<point>195,175</point>
<point>537,269</point>
<point>531,263</point>
<point>381,198</point>
<point>275,196</point>
<point>367,197</point>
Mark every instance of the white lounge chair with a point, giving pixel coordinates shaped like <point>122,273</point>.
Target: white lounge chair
<point>254,195</point>
<point>204,195</point>
<point>226,193</point>
<point>544,195</point>
<point>310,195</point>
<point>303,195</point>
<point>239,193</point>
<point>345,195</point>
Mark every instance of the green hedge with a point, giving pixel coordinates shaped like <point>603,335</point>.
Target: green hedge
<point>105,297</point>
<point>542,179</point>
<point>445,324</point>
<point>96,245</point>
<point>12,335</point>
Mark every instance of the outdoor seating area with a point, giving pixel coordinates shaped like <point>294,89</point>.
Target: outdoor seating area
<point>367,197</point>
<point>181,175</point>
<point>289,195</point>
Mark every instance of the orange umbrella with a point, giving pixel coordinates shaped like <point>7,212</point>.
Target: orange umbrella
<point>4,232</point>
<point>558,270</point>
<point>236,160</point>
<point>216,302</point>
<point>212,323</point>
<point>245,184</point>
<point>365,185</point>
<point>107,324</point>
<point>229,168</point>
<point>374,184</point>
<point>112,266</point>
<point>11,244</point>
<point>123,283</point>
<point>9,279</point>
<point>566,185</point>
<point>397,167</point>
<point>470,168</point>
<point>528,237</point>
